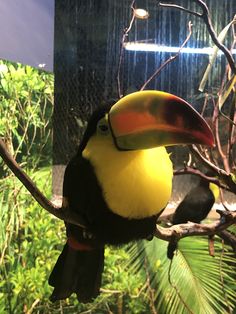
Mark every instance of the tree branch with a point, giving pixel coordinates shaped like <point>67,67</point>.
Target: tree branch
<point>171,59</point>
<point>124,38</point>
<point>193,171</point>
<point>192,229</point>
<point>227,178</point>
<point>175,6</point>
<point>60,212</point>
<point>205,16</point>
<point>215,121</point>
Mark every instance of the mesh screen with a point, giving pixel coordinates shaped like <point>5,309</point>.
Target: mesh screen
<point>87,51</point>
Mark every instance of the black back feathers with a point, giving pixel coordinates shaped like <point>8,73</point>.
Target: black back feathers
<point>194,207</point>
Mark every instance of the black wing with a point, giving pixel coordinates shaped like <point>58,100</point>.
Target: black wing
<point>195,206</point>
<point>85,196</point>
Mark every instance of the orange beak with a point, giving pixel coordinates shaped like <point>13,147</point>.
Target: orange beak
<point>147,119</point>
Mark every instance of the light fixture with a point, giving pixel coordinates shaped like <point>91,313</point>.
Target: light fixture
<point>141,14</point>
<point>139,46</point>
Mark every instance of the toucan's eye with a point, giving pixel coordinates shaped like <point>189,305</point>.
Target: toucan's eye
<point>102,127</point>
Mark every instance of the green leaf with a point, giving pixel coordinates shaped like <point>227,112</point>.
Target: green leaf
<point>195,274</point>
<point>212,58</point>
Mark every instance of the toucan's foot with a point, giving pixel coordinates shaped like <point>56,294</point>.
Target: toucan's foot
<point>172,247</point>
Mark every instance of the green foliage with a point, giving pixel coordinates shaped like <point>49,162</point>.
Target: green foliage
<point>196,282</point>
<point>28,246</point>
<point>26,97</point>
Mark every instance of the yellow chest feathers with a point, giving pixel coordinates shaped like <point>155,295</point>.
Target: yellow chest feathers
<point>135,184</point>
<point>215,190</point>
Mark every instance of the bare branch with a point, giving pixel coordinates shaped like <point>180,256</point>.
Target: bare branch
<point>231,131</point>
<point>61,213</point>
<point>124,38</point>
<point>223,156</point>
<point>206,162</point>
<point>171,59</point>
<point>193,171</point>
<point>205,104</point>
<point>175,6</point>
<point>205,16</point>
<point>207,20</point>
<point>192,229</point>
<point>150,290</point>
<point>227,178</point>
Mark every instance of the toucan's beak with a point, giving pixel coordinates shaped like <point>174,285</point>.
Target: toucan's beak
<point>147,119</point>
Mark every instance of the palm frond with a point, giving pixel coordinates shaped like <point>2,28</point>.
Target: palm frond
<point>197,282</point>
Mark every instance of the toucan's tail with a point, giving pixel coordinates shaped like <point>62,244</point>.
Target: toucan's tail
<point>77,271</point>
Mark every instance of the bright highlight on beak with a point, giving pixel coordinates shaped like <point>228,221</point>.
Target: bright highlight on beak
<point>147,119</point>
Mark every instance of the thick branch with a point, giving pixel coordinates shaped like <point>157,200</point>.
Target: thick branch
<point>192,229</point>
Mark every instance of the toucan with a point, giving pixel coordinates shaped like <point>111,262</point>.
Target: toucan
<point>195,207</point>
<point>120,181</point>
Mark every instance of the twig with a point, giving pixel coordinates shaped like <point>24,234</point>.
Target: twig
<point>124,37</point>
<point>232,131</point>
<point>204,104</point>
<point>222,200</point>
<point>171,59</point>
<point>226,177</point>
<point>227,157</point>
<point>215,120</point>
<point>205,16</point>
<point>150,290</point>
<point>33,306</point>
<point>207,20</point>
<point>110,291</point>
<point>190,170</point>
<point>175,6</point>
<point>208,164</point>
